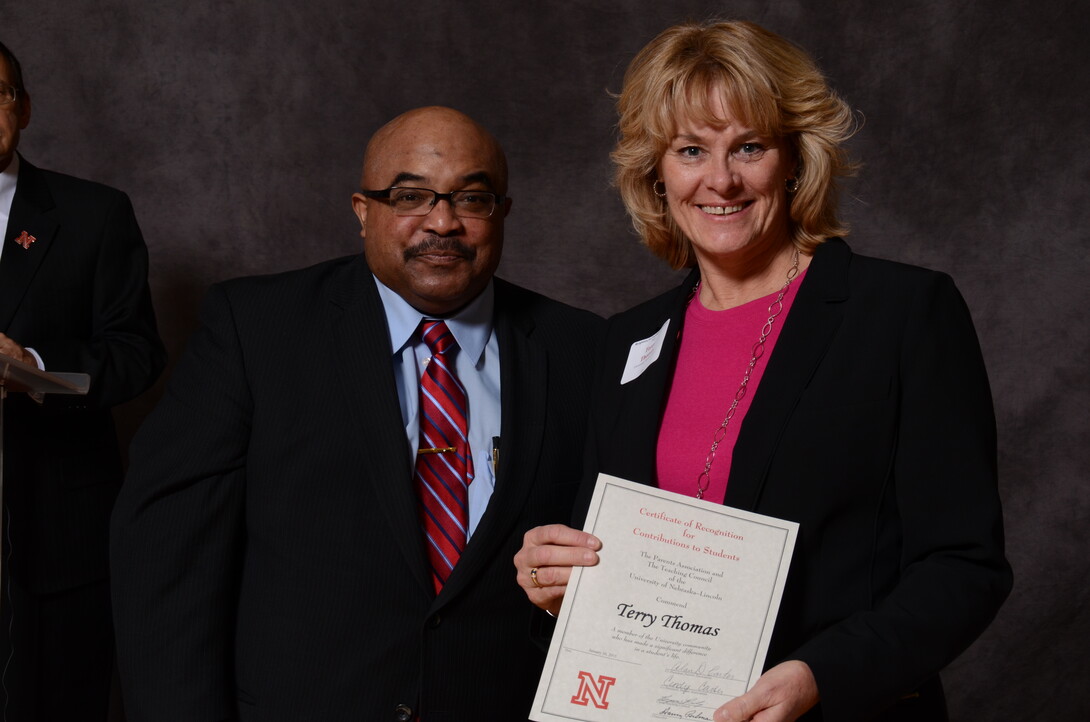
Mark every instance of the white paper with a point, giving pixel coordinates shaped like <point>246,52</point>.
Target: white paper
<point>642,354</point>
<point>675,619</point>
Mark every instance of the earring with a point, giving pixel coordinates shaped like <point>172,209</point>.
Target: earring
<point>792,185</point>
<point>655,188</point>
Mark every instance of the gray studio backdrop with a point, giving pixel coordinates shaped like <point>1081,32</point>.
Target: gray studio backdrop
<point>237,127</point>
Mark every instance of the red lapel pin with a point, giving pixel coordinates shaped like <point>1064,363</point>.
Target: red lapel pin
<point>24,239</point>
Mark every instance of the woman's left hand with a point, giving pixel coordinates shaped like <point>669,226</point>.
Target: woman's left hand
<point>782,694</point>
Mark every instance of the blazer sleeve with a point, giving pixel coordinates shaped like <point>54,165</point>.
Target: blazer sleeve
<point>952,575</point>
<point>121,350</point>
<point>177,534</point>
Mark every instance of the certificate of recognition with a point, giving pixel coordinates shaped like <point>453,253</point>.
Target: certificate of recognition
<point>675,619</point>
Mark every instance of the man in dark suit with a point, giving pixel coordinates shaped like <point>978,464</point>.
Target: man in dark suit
<point>268,547</point>
<point>73,297</point>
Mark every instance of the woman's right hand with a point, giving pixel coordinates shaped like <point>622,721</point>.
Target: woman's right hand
<point>552,551</point>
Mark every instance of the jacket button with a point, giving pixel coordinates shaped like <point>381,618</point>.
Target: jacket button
<point>434,621</point>
<point>403,713</point>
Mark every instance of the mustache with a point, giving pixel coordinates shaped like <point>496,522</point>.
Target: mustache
<point>434,243</point>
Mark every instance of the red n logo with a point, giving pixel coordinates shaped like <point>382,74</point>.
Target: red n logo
<point>591,690</point>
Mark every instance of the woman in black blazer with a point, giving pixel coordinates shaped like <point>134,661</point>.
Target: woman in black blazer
<point>842,392</point>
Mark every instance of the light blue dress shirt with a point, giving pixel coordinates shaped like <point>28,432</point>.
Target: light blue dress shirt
<point>477,364</point>
<point>9,178</point>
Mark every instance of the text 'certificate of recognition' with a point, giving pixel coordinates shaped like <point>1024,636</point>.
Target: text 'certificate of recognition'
<point>675,619</point>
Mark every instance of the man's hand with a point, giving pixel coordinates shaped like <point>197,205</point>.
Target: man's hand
<point>782,694</point>
<point>17,352</point>
<point>552,551</point>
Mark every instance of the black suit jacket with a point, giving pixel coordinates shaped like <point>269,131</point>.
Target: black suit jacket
<point>268,557</point>
<point>79,296</point>
<point>873,428</point>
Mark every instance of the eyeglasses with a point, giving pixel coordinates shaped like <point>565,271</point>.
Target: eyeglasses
<point>8,94</point>
<point>420,201</point>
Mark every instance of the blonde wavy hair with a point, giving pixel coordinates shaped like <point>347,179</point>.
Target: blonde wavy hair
<point>770,83</point>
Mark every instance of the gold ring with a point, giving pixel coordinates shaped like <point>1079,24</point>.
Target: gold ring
<point>533,578</point>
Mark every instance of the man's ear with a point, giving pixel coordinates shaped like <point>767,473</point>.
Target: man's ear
<point>359,206</point>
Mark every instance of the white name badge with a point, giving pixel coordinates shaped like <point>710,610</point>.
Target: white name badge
<point>643,354</point>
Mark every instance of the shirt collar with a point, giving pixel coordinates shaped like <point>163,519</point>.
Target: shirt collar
<point>472,326</point>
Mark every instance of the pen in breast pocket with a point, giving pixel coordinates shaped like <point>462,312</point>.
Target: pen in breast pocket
<point>495,455</point>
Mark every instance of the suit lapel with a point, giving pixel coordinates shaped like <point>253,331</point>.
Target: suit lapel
<point>810,327</point>
<point>362,356</point>
<point>524,382</point>
<point>640,402</point>
<point>29,212</point>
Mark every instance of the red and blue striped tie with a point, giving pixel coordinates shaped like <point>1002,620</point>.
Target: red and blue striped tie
<point>444,466</point>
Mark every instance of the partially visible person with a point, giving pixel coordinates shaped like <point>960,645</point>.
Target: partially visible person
<point>73,297</point>
<point>320,514</point>
<point>796,379</point>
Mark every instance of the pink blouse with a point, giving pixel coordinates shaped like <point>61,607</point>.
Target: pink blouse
<point>716,347</point>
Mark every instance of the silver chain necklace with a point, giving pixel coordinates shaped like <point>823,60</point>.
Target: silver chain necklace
<point>774,309</point>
